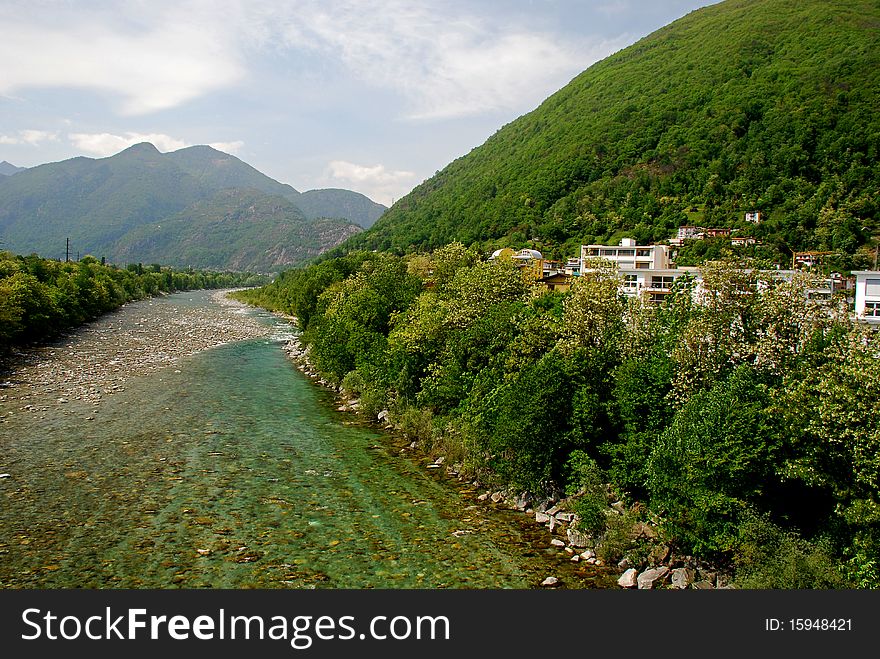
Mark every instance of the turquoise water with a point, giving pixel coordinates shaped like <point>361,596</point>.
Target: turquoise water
<point>233,470</point>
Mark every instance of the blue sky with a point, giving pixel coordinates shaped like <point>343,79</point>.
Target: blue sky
<point>370,96</point>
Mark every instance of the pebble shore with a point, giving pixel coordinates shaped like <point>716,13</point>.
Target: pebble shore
<point>97,359</point>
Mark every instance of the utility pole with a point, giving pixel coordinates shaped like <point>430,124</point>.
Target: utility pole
<point>67,251</point>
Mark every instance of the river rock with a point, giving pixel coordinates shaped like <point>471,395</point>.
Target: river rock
<point>577,538</point>
<point>496,497</point>
<point>542,518</point>
<point>556,542</point>
<point>682,577</point>
<point>647,579</point>
<point>628,579</point>
<point>383,415</point>
<point>550,581</point>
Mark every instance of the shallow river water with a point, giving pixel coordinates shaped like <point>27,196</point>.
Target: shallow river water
<point>230,469</point>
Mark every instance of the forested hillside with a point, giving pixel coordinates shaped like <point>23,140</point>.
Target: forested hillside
<point>765,105</point>
<point>239,229</point>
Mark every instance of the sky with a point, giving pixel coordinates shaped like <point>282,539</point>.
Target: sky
<point>373,96</point>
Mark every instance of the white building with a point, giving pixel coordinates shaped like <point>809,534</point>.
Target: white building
<point>628,255</point>
<point>867,305</point>
<point>656,284</point>
<point>642,268</point>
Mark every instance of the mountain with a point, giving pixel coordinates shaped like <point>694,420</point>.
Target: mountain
<point>216,170</point>
<point>333,202</point>
<point>767,105</point>
<point>238,229</point>
<point>111,206</point>
<point>8,169</point>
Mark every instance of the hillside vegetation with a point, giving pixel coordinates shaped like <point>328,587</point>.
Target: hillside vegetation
<point>765,105</point>
<point>239,229</point>
<point>199,206</point>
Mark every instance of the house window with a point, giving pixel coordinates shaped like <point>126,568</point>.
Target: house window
<point>663,281</point>
<point>640,265</point>
<point>630,281</point>
<point>872,309</point>
<point>643,252</point>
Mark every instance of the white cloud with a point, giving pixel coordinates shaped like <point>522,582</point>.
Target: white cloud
<point>446,61</point>
<point>374,174</point>
<point>376,181</point>
<point>29,136</point>
<point>443,59</point>
<point>107,144</point>
<point>152,57</point>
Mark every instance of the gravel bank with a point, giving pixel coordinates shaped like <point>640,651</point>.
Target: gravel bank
<point>97,359</point>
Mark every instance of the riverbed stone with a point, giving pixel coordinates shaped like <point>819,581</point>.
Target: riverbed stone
<point>577,538</point>
<point>556,542</point>
<point>628,579</point>
<point>682,577</point>
<point>550,582</point>
<point>649,578</point>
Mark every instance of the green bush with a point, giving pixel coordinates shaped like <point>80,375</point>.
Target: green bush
<point>769,557</point>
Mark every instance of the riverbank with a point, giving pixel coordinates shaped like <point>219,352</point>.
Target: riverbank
<point>96,360</point>
<point>571,562</point>
<point>652,565</point>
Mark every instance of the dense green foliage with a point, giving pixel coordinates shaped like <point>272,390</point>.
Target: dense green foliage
<point>765,105</point>
<point>178,207</point>
<point>40,297</point>
<point>748,422</point>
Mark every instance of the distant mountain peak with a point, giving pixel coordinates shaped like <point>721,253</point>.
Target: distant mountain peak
<point>8,169</point>
<point>140,147</point>
<point>195,206</point>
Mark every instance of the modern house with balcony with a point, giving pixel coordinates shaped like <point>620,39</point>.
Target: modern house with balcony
<point>867,298</point>
<point>628,255</point>
<point>643,268</point>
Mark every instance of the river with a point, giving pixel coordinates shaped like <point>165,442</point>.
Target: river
<point>228,468</point>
